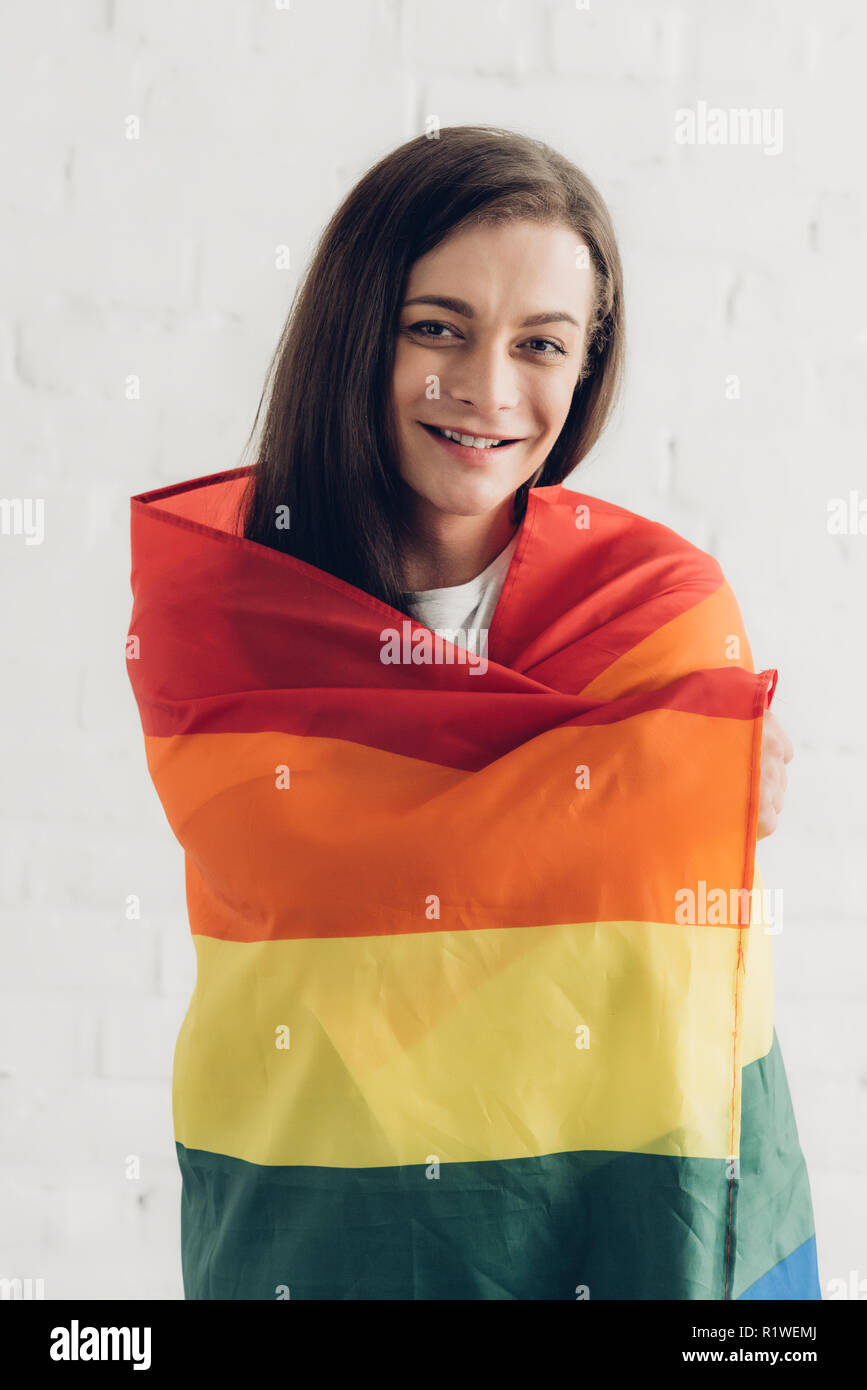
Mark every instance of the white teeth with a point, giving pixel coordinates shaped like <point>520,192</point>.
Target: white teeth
<point>472,440</point>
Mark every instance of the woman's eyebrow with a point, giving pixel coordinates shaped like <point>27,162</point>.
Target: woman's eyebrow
<point>460,306</point>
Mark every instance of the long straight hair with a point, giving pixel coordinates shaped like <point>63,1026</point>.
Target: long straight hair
<point>327,458</point>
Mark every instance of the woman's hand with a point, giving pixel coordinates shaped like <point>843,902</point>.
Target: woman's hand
<point>777,750</point>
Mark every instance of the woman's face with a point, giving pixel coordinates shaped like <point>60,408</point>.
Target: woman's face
<point>490,343</point>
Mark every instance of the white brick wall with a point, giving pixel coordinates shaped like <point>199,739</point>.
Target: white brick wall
<point>155,257</point>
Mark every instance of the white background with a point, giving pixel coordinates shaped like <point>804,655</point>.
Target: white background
<point>156,257</point>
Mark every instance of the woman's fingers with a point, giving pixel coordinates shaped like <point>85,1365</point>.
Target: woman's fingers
<point>777,750</point>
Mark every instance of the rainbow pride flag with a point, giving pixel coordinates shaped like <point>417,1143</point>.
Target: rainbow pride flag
<point>484,1003</point>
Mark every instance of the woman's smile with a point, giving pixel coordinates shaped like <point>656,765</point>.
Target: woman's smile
<point>466,445</point>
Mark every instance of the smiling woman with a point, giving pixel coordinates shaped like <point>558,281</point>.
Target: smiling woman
<point>469,283</point>
<point>502,394</point>
<point>451,1037</point>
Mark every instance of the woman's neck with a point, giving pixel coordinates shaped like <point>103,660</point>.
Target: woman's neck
<point>446,549</point>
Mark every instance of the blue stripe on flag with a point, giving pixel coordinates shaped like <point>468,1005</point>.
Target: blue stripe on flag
<point>797,1276</point>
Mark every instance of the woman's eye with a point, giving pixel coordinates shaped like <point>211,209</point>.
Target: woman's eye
<point>429,323</point>
<point>554,348</point>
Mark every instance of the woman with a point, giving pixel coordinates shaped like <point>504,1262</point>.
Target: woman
<point>447,746</point>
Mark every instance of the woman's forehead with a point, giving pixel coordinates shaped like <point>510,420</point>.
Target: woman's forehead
<point>519,266</point>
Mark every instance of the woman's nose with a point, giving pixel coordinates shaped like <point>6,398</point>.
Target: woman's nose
<point>486,379</point>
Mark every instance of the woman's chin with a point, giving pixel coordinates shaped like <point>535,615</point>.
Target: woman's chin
<point>468,501</point>
<point>467,496</point>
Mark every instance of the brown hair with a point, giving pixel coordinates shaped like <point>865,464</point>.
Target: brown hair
<point>328,449</point>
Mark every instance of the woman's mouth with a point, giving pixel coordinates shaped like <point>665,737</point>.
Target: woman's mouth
<point>472,448</point>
